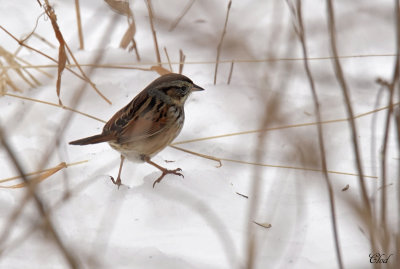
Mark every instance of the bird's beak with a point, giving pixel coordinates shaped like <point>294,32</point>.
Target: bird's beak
<point>196,88</point>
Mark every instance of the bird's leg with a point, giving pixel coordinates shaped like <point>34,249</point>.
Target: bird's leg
<point>164,171</point>
<point>118,182</point>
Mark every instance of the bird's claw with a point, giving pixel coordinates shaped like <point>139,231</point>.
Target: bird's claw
<point>165,172</point>
<point>117,182</point>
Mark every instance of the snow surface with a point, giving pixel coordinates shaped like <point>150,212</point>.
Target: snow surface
<point>200,221</point>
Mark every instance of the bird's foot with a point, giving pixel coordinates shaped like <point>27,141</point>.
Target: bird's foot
<point>165,172</point>
<point>117,182</point>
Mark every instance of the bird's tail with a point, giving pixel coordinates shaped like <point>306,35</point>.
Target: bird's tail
<point>92,140</point>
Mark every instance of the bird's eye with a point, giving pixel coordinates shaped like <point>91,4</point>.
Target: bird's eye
<point>182,91</point>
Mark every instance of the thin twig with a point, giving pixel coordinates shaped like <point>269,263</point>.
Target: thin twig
<point>354,135</point>
<point>302,36</point>
<point>221,40</point>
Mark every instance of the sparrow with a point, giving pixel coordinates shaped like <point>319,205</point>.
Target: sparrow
<point>149,123</point>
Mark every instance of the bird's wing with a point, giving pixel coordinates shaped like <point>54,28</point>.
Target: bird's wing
<point>143,117</point>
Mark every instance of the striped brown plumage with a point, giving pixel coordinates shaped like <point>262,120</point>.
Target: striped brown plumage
<point>148,123</point>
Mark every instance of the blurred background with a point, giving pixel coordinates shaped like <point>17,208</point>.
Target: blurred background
<point>290,155</point>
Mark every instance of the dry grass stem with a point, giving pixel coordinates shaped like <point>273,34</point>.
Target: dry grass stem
<point>56,105</point>
<point>199,154</point>
<point>270,115</point>
<point>169,61</point>
<point>39,225</point>
<point>182,58</point>
<point>62,56</point>
<point>85,76</point>
<point>28,63</point>
<point>129,65</point>
<point>28,36</point>
<point>39,52</point>
<point>354,135</point>
<point>123,8</point>
<point>383,155</point>
<point>395,84</point>
<point>219,47</point>
<point>185,10</point>
<point>297,12</point>
<point>47,172</point>
<point>387,233</point>
<point>230,72</point>
<point>11,60</point>
<point>37,179</point>
<point>291,167</point>
<point>397,119</point>
<point>120,7</point>
<point>79,24</point>
<point>153,31</point>
<point>6,80</point>
<point>68,66</point>
<point>52,59</point>
<point>160,70</point>
<point>71,260</point>
<point>282,127</point>
<point>129,37</point>
<point>49,150</point>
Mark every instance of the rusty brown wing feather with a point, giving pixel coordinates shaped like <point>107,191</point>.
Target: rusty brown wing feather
<point>143,117</point>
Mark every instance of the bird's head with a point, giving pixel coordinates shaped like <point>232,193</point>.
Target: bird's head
<point>174,87</point>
